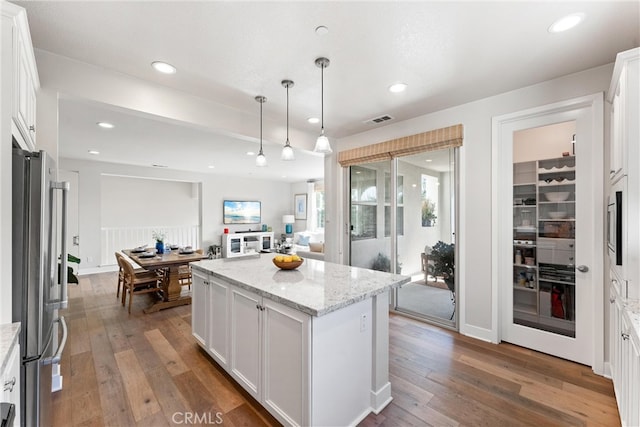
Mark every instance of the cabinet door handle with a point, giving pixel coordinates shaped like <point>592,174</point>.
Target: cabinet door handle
<point>624,336</point>
<point>612,300</point>
<point>32,128</point>
<point>8,385</point>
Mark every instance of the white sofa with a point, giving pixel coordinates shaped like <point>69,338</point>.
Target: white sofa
<point>309,244</point>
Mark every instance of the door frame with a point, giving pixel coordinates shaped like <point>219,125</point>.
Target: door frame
<point>503,166</point>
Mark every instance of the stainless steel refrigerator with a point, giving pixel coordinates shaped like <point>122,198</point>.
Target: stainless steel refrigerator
<point>37,294</point>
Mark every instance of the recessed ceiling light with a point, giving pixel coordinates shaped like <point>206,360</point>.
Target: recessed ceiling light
<point>313,120</point>
<point>322,30</point>
<point>163,67</point>
<point>211,167</point>
<point>251,153</point>
<point>414,185</point>
<point>94,152</point>
<point>397,87</point>
<point>566,23</point>
<point>105,125</point>
<point>429,160</point>
<point>284,176</point>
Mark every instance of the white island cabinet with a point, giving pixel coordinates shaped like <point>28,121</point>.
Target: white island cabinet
<point>311,345</point>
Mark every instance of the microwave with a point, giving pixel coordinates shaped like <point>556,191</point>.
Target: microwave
<point>615,222</point>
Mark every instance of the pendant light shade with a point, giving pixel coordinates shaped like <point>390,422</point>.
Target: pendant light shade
<point>261,160</point>
<point>287,151</point>
<point>322,143</point>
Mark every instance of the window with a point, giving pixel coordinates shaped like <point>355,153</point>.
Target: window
<point>429,189</point>
<point>316,206</point>
<point>364,196</point>
<point>387,206</point>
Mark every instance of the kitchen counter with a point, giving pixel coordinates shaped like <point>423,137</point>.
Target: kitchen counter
<point>632,311</point>
<point>311,345</point>
<point>9,334</point>
<point>315,288</point>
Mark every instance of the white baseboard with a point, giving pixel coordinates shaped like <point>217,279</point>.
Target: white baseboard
<point>381,398</point>
<point>607,370</point>
<point>478,333</point>
<point>96,270</point>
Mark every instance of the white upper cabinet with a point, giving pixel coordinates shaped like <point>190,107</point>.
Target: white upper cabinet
<point>23,76</point>
<point>624,96</point>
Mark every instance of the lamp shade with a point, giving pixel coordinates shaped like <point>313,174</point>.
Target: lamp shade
<point>322,145</point>
<point>288,219</point>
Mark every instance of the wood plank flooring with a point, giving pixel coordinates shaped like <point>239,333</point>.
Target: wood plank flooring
<point>147,370</point>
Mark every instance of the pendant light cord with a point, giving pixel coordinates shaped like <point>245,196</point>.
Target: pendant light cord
<point>322,98</point>
<point>261,102</point>
<point>287,114</point>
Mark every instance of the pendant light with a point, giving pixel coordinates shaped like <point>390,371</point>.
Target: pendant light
<point>322,143</point>
<point>287,151</point>
<point>261,160</point>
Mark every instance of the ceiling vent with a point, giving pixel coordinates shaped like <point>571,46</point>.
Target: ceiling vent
<point>379,119</point>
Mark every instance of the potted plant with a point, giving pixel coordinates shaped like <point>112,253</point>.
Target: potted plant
<point>159,237</point>
<point>443,256</point>
<point>71,275</point>
<point>383,263</point>
<point>428,213</point>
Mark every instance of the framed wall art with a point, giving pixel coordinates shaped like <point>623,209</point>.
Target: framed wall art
<point>300,206</point>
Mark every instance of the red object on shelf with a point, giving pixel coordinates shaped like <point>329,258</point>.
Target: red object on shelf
<point>557,308</point>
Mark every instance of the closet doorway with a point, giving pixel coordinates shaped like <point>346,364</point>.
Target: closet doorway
<point>548,223</point>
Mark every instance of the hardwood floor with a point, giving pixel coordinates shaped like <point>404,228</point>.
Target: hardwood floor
<point>147,370</point>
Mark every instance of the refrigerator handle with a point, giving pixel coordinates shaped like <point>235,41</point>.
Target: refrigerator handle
<point>58,356</point>
<point>64,297</point>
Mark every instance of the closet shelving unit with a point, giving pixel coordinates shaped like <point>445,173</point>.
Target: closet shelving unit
<point>543,244</point>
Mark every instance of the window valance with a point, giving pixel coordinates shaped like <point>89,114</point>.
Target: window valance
<point>449,137</point>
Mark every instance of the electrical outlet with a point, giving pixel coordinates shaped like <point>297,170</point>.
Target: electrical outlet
<point>363,322</point>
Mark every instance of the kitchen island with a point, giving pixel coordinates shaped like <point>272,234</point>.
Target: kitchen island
<point>311,345</point>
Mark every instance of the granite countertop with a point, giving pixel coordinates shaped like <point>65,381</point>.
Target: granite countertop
<point>632,309</point>
<point>316,287</point>
<point>8,339</point>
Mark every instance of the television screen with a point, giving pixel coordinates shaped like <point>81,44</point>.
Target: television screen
<point>241,212</point>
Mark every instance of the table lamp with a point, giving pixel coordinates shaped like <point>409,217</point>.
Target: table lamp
<point>288,221</point>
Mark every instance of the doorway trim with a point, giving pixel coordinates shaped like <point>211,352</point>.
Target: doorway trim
<point>595,105</point>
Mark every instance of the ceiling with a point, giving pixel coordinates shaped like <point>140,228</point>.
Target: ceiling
<point>447,52</point>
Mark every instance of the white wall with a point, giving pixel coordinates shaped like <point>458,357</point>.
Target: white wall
<point>474,198</point>
<point>141,202</point>
<point>545,142</point>
<point>276,198</point>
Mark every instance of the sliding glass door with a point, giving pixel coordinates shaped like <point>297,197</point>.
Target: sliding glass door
<point>427,248</point>
<point>402,215</point>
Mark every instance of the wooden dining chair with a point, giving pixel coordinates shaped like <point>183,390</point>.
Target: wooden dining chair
<point>184,272</point>
<point>140,283</point>
<point>119,257</point>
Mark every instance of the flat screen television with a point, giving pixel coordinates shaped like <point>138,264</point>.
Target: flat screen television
<point>241,212</point>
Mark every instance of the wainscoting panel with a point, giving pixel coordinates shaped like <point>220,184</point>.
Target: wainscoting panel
<point>118,238</point>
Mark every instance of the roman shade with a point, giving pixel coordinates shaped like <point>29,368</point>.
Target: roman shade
<point>449,137</point>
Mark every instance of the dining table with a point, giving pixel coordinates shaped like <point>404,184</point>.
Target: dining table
<point>171,261</point>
